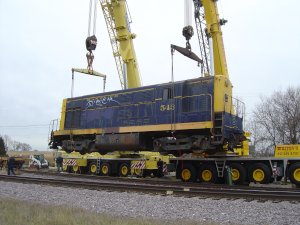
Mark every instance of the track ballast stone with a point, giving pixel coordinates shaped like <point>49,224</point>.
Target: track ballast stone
<point>221,211</point>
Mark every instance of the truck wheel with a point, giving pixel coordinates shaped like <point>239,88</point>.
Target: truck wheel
<point>238,173</point>
<point>260,173</point>
<point>105,169</point>
<point>188,173</point>
<point>64,168</point>
<point>138,172</point>
<point>124,170</point>
<point>93,168</point>
<point>75,169</point>
<point>208,173</point>
<point>294,173</point>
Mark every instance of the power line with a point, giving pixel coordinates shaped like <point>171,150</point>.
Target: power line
<point>24,126</point>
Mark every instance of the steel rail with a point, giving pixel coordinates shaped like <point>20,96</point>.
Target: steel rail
<point>155,181</point>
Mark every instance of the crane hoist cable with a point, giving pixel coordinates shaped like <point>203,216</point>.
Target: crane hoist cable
<point>91,40</point>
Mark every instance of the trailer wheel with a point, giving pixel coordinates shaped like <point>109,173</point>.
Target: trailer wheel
<point>124,170</point>
<point>260,173</point>
<point>208,173</point>
<point>188,173</point>
<point>294,173</point>
<point>65,168</point>
<point>238,173</point>
<point>93,168</point>
<point>139,172</point>
<point>75,169</point>
<point>105,169</point>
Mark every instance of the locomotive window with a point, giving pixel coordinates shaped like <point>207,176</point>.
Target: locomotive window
<point>167,93</point>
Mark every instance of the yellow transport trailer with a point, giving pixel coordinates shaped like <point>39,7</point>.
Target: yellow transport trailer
<point>121,164</point>
<point>243,168</point>
<point>19,161</point>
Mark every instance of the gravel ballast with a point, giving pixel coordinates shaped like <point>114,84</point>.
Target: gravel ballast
<point>221,211</point>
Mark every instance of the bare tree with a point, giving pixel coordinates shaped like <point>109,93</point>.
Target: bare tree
<point>2,147</point>
<point>12,145</point>
<point>24,147</point>
<point>277,120</point>
<point>7,142</point>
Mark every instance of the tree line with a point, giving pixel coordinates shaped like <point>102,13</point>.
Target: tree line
<point>275,120</point>
<point>8,144</point>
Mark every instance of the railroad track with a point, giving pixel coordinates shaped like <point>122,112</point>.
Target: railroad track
<point>202,191</point>
<point>159,181</point>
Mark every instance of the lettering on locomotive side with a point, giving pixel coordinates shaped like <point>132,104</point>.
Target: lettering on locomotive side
<point>100,101</point>
<point>169,107</point>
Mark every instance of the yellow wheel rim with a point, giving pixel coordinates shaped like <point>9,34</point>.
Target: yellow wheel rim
<point>258,175</point>
<point>75,168</point>
<point>235,174</point>
<point>104,169</point>
<point>65,167</point>
<point>93,168</point>
<point>296,174</point>
<point>186,174</point>
<point>124,170</point>
<point>206,175</point>
<point>137,172</point>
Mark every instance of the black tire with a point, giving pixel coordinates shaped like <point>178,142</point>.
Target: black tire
<point>124,170</point>
<point>294,173</point>
<point>76,169</point>
<point>260,173</point>
<point>105,169</point>
<point>239,174</point>
<point>93,168</point>
<point>188,173</point>
<point>208,174</point>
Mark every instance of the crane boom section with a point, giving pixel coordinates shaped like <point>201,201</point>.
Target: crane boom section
<point>214,31</point>
<point>117,20</point>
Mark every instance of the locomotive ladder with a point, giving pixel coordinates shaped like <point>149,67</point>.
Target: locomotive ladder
<point>218,128</point>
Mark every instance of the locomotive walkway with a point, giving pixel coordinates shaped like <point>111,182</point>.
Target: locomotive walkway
<point>166,188</point>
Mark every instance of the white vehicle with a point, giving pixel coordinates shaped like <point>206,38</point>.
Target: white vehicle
<point>38,161</point>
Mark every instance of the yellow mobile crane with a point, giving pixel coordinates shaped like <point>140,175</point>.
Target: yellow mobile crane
<point>118,25</point>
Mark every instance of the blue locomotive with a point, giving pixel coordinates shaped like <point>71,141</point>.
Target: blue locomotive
<point>176,117</point>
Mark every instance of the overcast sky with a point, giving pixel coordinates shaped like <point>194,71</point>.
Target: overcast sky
<point>40,41</point>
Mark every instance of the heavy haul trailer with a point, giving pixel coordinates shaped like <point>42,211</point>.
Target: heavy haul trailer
<point>121,164</point>
<point>243,170</point>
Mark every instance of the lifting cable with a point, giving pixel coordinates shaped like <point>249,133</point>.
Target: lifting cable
<point>173,112</point>
<point>94,17</point>
<point>91,40</point>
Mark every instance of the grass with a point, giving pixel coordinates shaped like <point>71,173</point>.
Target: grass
<point>15,212</point>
